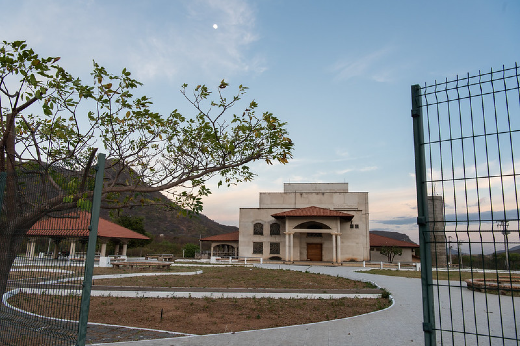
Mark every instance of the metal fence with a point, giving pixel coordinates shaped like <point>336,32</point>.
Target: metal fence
<point>466,132</point>
<point>48,284</point>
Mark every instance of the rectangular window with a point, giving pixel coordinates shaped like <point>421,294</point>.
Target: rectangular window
<point>258,248</point>
<point>274,248</point>
<point>274,229</point>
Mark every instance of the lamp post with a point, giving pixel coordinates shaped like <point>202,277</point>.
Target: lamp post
<point>449,250</point>
<point>505,232</point>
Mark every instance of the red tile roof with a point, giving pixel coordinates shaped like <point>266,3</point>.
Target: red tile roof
<point>379,241</point>
<point>313,212</point>
<point>76,225</point>
<point>233,236</point>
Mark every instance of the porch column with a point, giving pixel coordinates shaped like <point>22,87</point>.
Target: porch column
<point>103,252</point>
<point>31,245</point>
<point>125,248</point>
<point>287,246</point>
<point>72,250</point>
<point>292,246</point>
<point>56,248</point>
<point>104,261</point>
<point>236,251</point>
<point>211,255</point>
<point>339,247</point>
<point>116,249</point>
<point>333,247</point>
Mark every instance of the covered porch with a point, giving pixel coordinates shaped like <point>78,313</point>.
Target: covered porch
<point>313,234</point>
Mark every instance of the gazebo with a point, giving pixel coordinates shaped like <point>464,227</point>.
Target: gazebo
<point>74,227</point>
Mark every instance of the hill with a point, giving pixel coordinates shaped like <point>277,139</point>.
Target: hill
<point>159,220</point>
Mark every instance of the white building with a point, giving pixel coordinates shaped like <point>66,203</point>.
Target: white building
<point>308,221</point>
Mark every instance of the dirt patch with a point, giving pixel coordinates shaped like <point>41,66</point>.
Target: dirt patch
<point>205,315</point>
<point>241,277</point>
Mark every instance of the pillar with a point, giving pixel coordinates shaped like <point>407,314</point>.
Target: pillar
<point>72,250</point>
<point>333,247</point>
<point>292,246</point>
<point>56,248</point>
<point>116,249</point>
<point>104,261</point>
<point>103,251</point>
<point>287,255</point>
<point>31,246</point>
<point>125,248</point>
<point>338,245</point>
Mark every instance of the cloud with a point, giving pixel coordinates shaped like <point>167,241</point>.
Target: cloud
<point>368,66</point>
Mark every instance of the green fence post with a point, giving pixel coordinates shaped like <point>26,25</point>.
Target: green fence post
<point>91,251</point>
<point>422,219</point>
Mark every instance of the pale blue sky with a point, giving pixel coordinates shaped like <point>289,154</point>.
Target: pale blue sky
<point>339,72</point>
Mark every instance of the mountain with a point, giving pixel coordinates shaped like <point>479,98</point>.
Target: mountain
<point>159,220</point>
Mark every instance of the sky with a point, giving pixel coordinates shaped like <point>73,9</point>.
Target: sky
<point>338,72</point>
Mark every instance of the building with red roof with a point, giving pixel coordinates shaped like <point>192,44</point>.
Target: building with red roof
<point>307,221</point>
<point>73,228</point>
<point>377,242</point>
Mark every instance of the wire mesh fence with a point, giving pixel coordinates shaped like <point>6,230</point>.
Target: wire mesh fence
<point>45,233</point>
<point>466,132</point>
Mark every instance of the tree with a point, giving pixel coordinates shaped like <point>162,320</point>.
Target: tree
<point>52,122</point>
<point>390,252</point>
<point>135,223</point>
<point>189,250</point>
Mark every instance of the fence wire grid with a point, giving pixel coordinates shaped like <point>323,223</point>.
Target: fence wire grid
<point>42,300</point>
<point>466,133</point>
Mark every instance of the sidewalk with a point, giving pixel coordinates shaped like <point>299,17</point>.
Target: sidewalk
<point>399,325</point>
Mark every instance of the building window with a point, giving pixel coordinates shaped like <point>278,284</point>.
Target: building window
<point>258,248</point>
<point>258,229</point>
<point>314,235</point>
<point>356,226</point>
<point>274,248</point>
<point>274,229</point>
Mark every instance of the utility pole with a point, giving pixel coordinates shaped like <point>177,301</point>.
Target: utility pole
<point>504,224</point>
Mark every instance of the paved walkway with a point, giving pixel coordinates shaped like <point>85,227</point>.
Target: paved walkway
<point>399,325</point>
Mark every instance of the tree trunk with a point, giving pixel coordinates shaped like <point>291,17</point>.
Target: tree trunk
<point>9,247</point>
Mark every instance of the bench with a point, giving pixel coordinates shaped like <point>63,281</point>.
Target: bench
<point>141,264</point>
<point>160,257</point>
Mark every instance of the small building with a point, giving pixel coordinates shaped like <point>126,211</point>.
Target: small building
<point>223,245</point>
<point>73,229</point>
<point>377,242</point>
<point>307,221</point>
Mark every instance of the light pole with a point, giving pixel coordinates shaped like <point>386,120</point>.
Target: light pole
<point>449,251</point>
<point>505,232</point>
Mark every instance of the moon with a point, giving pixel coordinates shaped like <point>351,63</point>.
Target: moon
<point>215,26</point>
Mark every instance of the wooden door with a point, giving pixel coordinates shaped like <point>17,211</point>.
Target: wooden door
<point>314,252</point>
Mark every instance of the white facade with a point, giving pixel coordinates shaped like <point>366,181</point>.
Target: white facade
<point>335,231</point>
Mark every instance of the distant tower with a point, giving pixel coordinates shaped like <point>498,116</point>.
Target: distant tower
<point>437,231</point>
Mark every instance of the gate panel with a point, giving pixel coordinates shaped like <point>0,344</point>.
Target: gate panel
<point>466,132</point>
<point>46,281</point>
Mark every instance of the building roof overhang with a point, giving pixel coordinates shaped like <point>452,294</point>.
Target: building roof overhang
<point>75,225</point>
<point>313,212</point>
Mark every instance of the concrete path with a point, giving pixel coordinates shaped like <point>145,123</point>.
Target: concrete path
<point>400,324</point>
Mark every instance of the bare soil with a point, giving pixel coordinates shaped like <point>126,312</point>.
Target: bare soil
<point>208,315</point>
<point>240,277</point>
